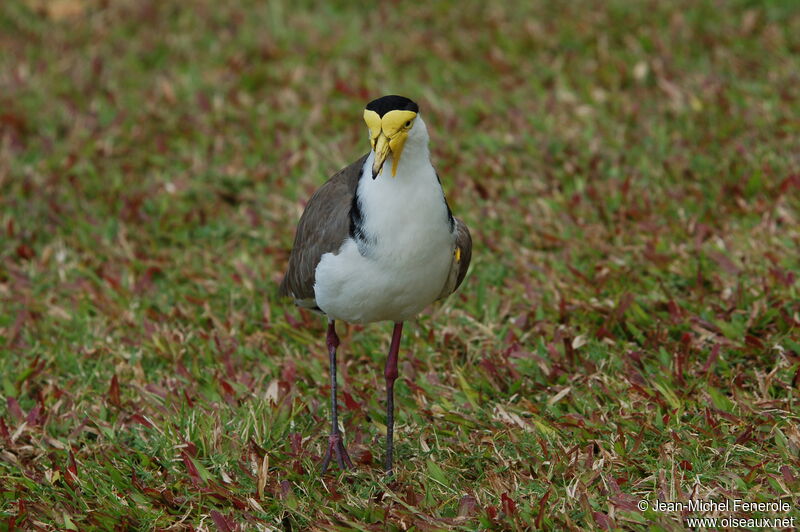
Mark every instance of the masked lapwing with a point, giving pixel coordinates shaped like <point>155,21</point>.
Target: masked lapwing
<point>377,242</point>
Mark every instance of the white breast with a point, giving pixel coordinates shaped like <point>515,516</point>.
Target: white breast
<point>404,261</point>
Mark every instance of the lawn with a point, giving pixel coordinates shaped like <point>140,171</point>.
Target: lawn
<point>629,329</point>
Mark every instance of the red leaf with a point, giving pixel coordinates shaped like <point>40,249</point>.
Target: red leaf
<point>286,488</point>
<point>113,392</point>
<point>710,419</point>
<point>723,262</point>
<point>71,473</point>
<point>141,420</point>
<point>223,494</point>
<point>467,506</point>
<point>145,282</point>
<point>224,524</point>
<point>190,448</point>
<point>189,401</point>
<point>289,372</point>
<point>22,515</point>
<point>111,279</point>
<point>412,498</point>
<point>291,321</point>
<point>345,88</point>
<point>10,121</point>
<point>602,332</point>
<point>155,389</point>
<point>227,388</point>
<point>297,442</point>
<point>602,520</point>
<point>482,191</point>
<point>712,357</point>
<point>4,432</point>
<point>73,466</point>
<point>181,370</point>
<point>414,387</point>
<point>350,403</point>
<point>365,457</point>
<point>509,506</point>
<point>24,251</point>
<point>14,409</point>
<point>787,474</point>
<point>752,341</point>
<point>136,482</point>
<point>745,435</point>
<point>191,469</point>
<point>542,508</point>
<point>226,348</point>
<point>791,181</point>
<point>641,391</point>
<point>626,502</point>
<point>489,366</point>
<point>675,311</point>
<point>33,415</point>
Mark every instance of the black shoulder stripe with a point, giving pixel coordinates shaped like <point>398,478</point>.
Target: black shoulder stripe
<point>450,219</point>
<point>356,219</point>
<point>357,230</point>
<point>356,216</point>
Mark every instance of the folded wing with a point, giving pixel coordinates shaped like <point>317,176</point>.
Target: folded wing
<point>462,254</point>
<point>323,227</point>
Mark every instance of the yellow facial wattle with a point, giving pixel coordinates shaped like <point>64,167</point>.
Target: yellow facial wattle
<point>388,134</point>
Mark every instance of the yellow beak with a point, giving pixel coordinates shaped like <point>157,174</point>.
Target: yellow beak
<point>383,147</point>
<point>381,152</point>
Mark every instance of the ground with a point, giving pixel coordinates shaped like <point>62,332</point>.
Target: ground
<point>630,171</point>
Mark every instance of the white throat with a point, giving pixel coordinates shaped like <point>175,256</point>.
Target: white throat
<point>398,210</point>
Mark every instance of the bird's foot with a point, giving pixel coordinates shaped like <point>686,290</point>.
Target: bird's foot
<point>336,448</point>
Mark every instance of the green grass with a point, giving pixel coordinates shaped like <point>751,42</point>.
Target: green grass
<point>629,329</point>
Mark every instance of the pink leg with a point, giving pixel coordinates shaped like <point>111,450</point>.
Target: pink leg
<point>335,445</point>
<point>391,373</point>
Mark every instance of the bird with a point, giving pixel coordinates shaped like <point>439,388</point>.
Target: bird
<point>378,242</point>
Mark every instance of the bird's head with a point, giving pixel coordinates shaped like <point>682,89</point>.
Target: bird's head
<point>392,121</point>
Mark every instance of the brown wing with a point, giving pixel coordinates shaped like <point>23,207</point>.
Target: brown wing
<point>462,254</point>
<point>324,225</point>
<point>464,243</point>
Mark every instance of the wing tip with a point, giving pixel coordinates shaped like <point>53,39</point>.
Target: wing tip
<point>283,288</point>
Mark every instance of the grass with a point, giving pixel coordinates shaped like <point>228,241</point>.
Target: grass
<point>629,329</point>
